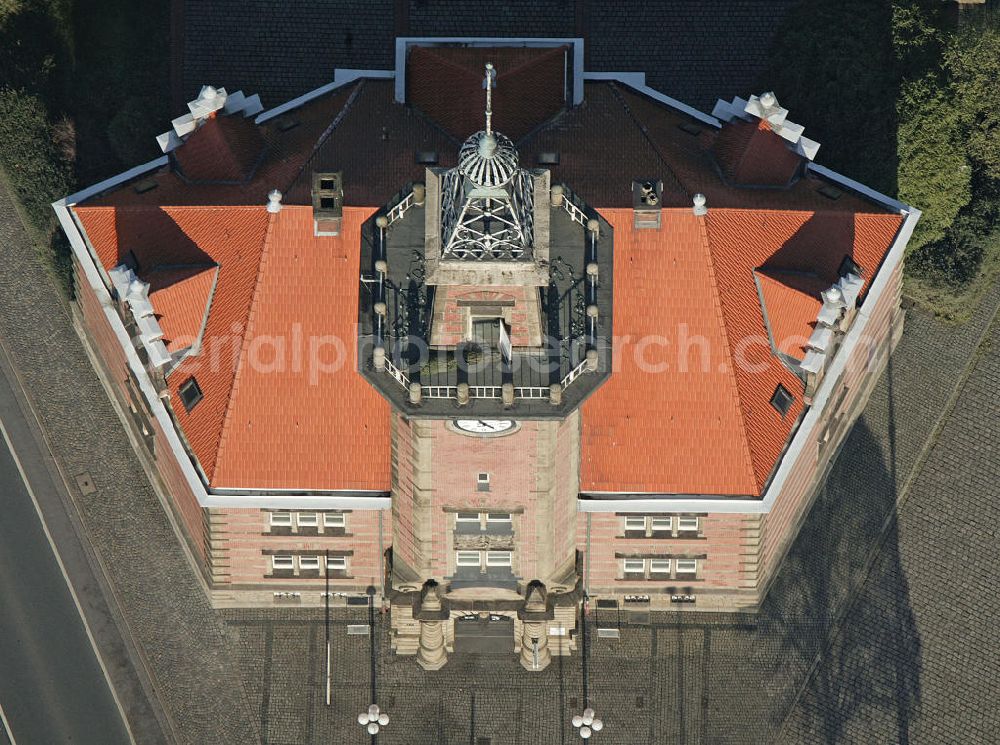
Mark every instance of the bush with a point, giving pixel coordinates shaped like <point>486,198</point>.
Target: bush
<point>934,171</point>
<point>30,157</point>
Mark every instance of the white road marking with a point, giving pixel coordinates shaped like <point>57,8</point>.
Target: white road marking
<point>6,724</point>
<point>69,585</point>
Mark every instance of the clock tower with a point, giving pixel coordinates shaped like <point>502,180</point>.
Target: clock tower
<point>485,300</point>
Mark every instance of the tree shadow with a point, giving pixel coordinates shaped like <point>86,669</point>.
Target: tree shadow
<point>840,607</point>
<point>833,66</point>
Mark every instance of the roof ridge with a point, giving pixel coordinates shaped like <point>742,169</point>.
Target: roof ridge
<point>251,314</point>
<point>325,135</point>
<point>643,130</point>
<point>717,303</point>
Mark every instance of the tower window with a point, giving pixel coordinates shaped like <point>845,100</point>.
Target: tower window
<point>782,400</point>
<point>190,394</point>
<point>483,482</point>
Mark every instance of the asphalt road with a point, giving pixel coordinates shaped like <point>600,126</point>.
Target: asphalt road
<point>52,687</point>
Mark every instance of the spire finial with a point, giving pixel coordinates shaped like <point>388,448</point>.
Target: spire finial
<point>488,84</point>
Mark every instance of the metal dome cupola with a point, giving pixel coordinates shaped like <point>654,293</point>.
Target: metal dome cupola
<point>488,159</point>
<point>487,201</point>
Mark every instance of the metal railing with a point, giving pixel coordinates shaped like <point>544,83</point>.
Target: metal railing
<point>397,212</point>
<point>398,374</point>
<point>573,374</point>
<point>574,212</point>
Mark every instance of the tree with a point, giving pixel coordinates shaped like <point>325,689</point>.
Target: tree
<point>934,171</point>
<point>973,60</point>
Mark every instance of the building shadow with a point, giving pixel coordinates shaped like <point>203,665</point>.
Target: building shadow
<point>840,610</point>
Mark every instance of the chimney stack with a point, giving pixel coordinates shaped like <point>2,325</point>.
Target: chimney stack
<point>327,203</point>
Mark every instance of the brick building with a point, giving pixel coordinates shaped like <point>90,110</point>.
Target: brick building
<point>490,333</point>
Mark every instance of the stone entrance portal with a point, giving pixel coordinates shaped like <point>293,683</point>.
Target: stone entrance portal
<point>484,634</point>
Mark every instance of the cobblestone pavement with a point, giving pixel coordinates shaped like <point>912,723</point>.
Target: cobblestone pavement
<point>186,651</point>
<point>879,628</point>
<point>694,51</point>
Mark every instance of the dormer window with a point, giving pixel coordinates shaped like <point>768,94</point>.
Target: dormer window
<point>782,400</point>
<point>190,394</point>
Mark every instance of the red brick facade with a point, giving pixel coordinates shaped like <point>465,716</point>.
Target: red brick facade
<point>456,306</point>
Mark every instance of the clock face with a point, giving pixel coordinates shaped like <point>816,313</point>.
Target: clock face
<point>484,426</point>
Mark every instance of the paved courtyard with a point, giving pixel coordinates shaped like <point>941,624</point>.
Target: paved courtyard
<point>879,629</point>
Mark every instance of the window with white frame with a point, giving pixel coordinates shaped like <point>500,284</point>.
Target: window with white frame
<point>634,566</point>
<point>498,517</point>
<point>498,559</point>
<point>308,563</point>
<point>633,522</point>
<point>661,524</point>
<point>307,519</point>
<point>281,519</point>
<point>334,520</point>
<point>281,563</point>
<point>659,566</point>
<point>687,524</point>
<point>336,563</point>
<point>467,517</point>
<point>468,558</point>
<point>687,566</point>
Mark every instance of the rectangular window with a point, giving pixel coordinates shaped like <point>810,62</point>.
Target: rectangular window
<point>782,400</point>
<point>467,558</point>
<point>307,519</point>
<point>498,517</point>
<point>483,482</point>
<point>498,559</point>
<point>635,523</point>
<point>308,562</point>
<point>467,517</point>
<point>279,563</point>
<point>334,520</point>
<point>336,563</point>
<point>687,566</point>
<point>281,519</point>
<point>687,524</point>
<point>661,524</point>
<point>659,566</point>
<point>190,394</point>
<point>635,566</point>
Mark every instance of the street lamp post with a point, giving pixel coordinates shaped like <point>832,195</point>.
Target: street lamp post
<point>374,718</point>
<point>586,723</point>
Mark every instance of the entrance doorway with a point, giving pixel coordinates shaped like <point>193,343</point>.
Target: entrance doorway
<point>492,634</point>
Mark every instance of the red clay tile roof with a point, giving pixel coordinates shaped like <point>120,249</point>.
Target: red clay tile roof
<point>751,153</point>
<point>224,148</point>
<point>446,83</point>
<point>791,304</point>
<point>181,298</point>
<point>668,420</point>
<point>233,237</point>
<point>291,423</point>
<point>646,430</point>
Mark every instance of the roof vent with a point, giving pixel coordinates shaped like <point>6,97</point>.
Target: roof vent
<point>548,159</point>
<point>427,157</point>
<point>327,203</point>
<point>274,202</point>
<point>700,209</point>
<point>647,198</point>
